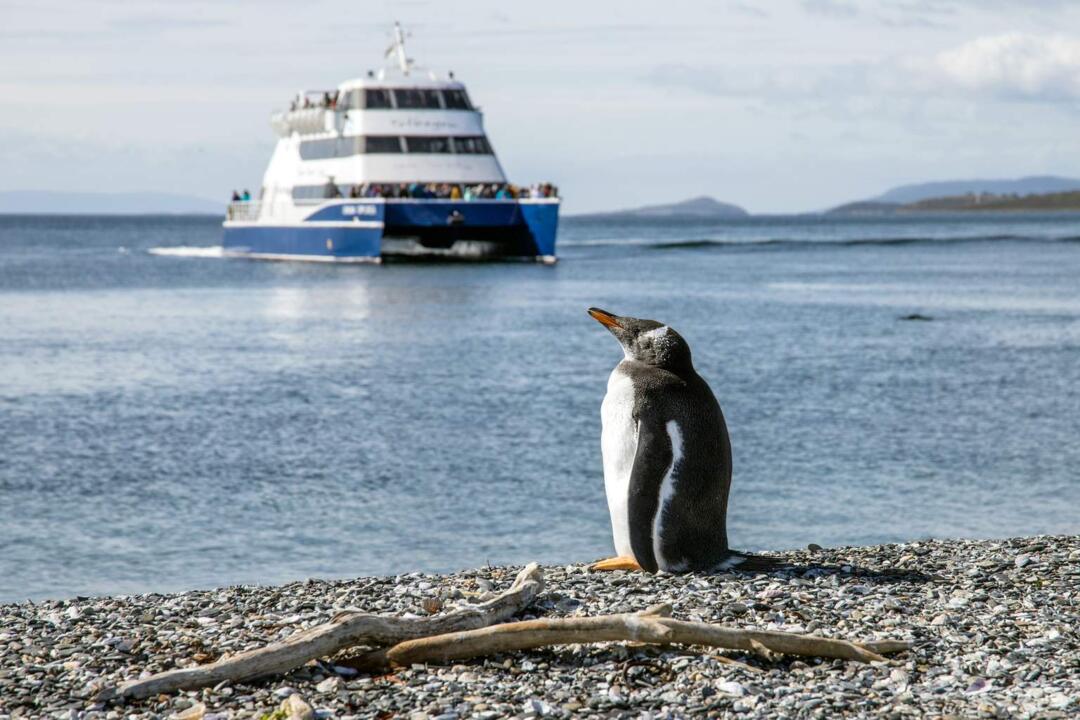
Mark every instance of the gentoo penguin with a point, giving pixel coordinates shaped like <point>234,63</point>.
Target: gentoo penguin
<point>667,457</point>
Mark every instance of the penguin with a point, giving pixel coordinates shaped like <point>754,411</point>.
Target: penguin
<point>667,457</point>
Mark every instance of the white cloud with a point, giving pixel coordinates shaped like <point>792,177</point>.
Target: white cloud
<point>1010,67</point>
<point>830,8</point>
<point>1015,65</point>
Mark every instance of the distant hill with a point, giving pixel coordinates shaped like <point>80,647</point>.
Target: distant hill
<point>957,194</point>
<point>51,202</point>
<point>989,201</point>
<point>865,207</point>
<point>1042,184</point>
<point>699,207</point>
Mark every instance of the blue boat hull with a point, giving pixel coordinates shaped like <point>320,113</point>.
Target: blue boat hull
<point>368,230</point>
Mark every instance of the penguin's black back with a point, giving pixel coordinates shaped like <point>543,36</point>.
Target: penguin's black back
<point>694,525</point>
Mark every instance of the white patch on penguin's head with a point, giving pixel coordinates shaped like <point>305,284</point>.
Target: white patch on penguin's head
<point>656,332</point>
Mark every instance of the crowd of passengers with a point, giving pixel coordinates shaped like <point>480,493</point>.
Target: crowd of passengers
<point>441,191</point>
<point>329,100</point>
<point>446,191</point>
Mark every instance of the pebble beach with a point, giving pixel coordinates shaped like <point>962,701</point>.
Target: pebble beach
<point>994,626</point>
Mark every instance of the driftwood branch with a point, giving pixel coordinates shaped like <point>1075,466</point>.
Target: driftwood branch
<point>637,627</point>
<point>343,631</point>
<point>377,661</point>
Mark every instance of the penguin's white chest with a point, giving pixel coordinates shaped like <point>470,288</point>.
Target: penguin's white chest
<point>618,443</point>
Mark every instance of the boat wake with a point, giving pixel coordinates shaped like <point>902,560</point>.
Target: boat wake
<point>213,251</point>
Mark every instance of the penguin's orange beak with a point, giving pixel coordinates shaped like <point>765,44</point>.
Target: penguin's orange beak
<point>604,318</point>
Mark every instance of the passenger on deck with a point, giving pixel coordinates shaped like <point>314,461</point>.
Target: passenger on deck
<point>246,197</point>
<point>455,192</point>
<point>235,196</point>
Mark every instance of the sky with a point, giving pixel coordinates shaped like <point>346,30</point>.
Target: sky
<point>782,106</point>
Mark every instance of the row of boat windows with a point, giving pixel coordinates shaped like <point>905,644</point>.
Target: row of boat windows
<point>382,144</point>
<point>409,99</point>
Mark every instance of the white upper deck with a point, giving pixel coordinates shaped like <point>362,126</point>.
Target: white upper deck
<point>399,124</point>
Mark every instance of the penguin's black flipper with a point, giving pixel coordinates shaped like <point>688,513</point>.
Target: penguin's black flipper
<point>745,562</point>
<point>651,463</point>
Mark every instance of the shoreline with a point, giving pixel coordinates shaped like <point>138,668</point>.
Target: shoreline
<point>994,625</point>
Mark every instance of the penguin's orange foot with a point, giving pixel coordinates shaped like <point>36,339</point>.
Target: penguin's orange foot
<point>623,562</point>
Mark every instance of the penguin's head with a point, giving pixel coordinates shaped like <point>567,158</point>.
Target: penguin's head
<point>646,341</point>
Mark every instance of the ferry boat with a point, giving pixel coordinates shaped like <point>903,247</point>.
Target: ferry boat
<point>394,163</point>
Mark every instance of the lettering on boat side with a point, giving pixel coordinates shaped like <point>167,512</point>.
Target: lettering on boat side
<point>358,210</point>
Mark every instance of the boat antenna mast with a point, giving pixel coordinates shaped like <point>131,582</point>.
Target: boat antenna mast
<point>397,49</point>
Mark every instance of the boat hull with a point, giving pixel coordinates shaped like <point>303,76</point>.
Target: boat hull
<point>369,230</point>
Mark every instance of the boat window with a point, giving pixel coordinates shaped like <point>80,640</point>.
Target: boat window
<point>382,144</point>
<point>425,144</point>
<point>377,98</point>
<point>417,98</point>
<point>317,192</point>
<point>340,147</point>
<point>319,149</point>
<point>477,145</point>
<point>456,100</point>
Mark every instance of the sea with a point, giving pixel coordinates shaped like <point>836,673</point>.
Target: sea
<point>170,419</point>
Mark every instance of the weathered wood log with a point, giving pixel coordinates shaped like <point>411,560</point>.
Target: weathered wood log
<point>636,627</point>
<point>376,661</point>
<point>344,630</point>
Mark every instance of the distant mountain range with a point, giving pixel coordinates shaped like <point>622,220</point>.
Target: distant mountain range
<point>700,207</point>
<point>51,202</point>
<point>1019,194</point>
<point>1040,202</point>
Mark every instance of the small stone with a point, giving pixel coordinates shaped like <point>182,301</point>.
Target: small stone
<point>195,712</point>
<point>329,685</point>
<point>814,547</point>
<point>731,687</point>
<point>738,608</point>
<point>1022,560</point>
<point>539,707</point>
<point>296,708</point>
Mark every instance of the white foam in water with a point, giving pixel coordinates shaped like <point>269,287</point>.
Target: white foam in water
<point>214,251</point>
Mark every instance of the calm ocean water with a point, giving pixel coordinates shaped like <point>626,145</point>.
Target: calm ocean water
<point>171,422</point>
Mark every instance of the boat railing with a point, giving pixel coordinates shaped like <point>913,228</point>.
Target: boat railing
<point>244,210</point>
<point>303,120</point>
